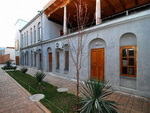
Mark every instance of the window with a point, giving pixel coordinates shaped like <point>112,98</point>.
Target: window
<point>57,60</point>
<point>34,60</point>
<point>39,31</point>
<point>27,38</point>
<point>31,58</point>
<point>24,39</point>
<point>34,34</point>
<point>66,60</point>
<point>27,59</point>
<point>128,61</point>
<point>31,35</point>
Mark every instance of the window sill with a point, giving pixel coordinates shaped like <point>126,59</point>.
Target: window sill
<point>126,77</point>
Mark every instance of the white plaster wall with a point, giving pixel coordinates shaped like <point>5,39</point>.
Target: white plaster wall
<point>111,33</point>
<point>28,28</point>
<point>11,52</point>
<point>50,29</point>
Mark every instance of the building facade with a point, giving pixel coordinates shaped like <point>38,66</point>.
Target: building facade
<point>7,54</point>
<point>18,26</point>
<point>116,47</point>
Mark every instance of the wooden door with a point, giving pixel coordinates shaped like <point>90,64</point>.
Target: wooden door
<point>50,62</point>
<point>97,64</point>
<point>17,60</point>
<point>40,61</point>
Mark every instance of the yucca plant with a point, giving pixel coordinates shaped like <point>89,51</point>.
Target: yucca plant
<point>95,98</point>
<point>14,68</point>
<point>40,76</point>
<point>24,69</point>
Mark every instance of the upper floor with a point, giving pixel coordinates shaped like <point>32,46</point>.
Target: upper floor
<point>62,18</point>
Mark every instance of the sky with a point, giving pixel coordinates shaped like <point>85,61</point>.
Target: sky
<point>11,11</point>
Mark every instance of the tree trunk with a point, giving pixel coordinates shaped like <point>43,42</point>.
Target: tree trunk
<point>77,96</point>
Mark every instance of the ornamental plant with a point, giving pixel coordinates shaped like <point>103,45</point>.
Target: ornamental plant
<point>95,98</point>
<point>24,69</point>
<point>40,76</point>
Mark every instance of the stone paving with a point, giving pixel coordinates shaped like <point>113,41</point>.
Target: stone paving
<point>127,103</point>
<point>15,99</point>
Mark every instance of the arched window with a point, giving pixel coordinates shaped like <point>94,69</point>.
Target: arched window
<point>128,53</point>
<point>34,34</point>
<point>31,35</point>
<point>24,39</point>
<point>39,31</point>
<point>31,58</point>
<point>27,38</point>
<point>66,57</point>
<point>57,60</point>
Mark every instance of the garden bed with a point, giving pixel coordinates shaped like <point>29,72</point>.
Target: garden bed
<point>54,101</point>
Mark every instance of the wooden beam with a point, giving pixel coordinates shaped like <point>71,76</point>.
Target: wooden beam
<point>123,4</point>
<point>56,5</point>
<point>110,5</point>
<point>136,2</point>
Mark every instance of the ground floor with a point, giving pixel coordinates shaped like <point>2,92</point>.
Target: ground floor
<point>128,103</point>
<point>117,51</point>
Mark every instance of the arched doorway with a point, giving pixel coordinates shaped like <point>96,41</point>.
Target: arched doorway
<point>49,50</point>
<point>97,48</point>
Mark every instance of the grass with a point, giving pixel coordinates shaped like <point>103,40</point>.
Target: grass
<point>64,101</point>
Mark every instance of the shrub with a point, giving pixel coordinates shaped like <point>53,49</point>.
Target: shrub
<point>5,68</point>
<point>8,64</point>
<point>14,68</point>
<point>95,98</point>
<point>40,76</point>
<point>24,69</point>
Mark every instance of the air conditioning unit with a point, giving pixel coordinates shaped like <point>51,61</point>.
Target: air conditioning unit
<point>59,45</point>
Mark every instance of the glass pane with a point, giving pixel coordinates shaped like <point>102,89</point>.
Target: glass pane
<point>124,62</point>
<point>131,61</point>
<point>124,70</point>
<point>131,70</point>
<point>131,52</point>
<point>124,52</point>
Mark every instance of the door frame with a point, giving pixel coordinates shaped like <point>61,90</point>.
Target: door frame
<point>90,61</point>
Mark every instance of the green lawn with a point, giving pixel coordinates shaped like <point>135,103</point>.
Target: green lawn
<point>64,101</point>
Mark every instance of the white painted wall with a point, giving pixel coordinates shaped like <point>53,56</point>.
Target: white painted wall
<point>110,32</point>
<point>11,52</point>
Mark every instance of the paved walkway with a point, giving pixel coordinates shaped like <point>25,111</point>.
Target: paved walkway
<point>128,103</point>
<point>15,99</point>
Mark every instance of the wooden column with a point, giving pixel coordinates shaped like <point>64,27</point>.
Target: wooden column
<point>98,12</point>
<point>65,21</point>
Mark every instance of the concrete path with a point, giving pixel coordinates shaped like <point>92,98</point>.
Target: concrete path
<point>15,99</point>
<point>128,103</point>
